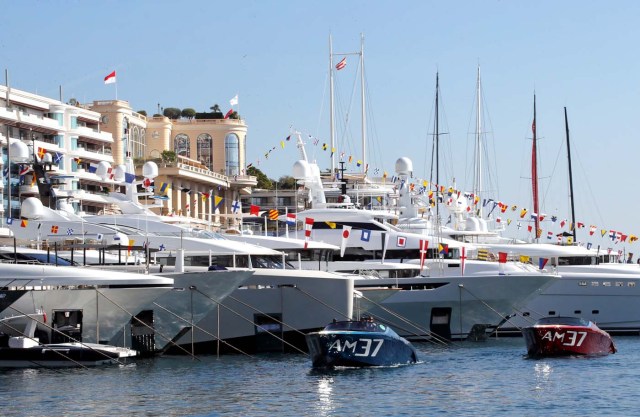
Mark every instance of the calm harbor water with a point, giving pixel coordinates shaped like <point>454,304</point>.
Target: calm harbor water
<point>483,378</point>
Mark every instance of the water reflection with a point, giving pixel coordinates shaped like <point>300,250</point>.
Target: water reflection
<point>325,397</point>
<point>542,371</point>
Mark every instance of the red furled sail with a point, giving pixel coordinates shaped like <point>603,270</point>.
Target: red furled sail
<point>534,170</point>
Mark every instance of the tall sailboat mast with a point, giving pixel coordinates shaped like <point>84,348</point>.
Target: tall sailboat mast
<point>364,119</point>
<point>477,184</point>
<point>573,213</point>
<point>437,142</point>
<point>331,107</point>
<point>534,172</point>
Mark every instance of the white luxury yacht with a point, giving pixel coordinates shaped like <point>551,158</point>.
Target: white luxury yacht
<point>296,300</point>
<point>96,305</point>
<point>445,302</point>
<point>591,284</point>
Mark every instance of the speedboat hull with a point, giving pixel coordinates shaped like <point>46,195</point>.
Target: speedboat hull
<point>359,348</point>
<point>63,355</point>
<point>567,338</point>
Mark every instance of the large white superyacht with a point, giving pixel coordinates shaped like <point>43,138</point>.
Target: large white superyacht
<point>446,302</point>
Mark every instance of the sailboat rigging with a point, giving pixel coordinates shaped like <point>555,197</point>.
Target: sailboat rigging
<point>534,173</point>
<point>573,212</point>
<point>332,129</point>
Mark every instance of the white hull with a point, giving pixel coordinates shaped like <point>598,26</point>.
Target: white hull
<point>451,306</point>
<point>106,313</point>
<point>302,300</point>
<point>610,299</point>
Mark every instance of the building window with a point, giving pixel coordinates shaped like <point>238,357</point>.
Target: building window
<point>205,154</point>
<point>232,154</point>
<point>74,122</point>
<point>181,145</point>
<point>138,144</point>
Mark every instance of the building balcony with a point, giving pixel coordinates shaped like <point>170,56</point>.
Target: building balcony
<point>27,121</point>
<point>92,134</point>
<point>93,155</point>
<point>243,180</point>
<point>196,174</point>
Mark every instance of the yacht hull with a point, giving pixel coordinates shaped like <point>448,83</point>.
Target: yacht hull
<point>453,307</point>
<point>271,312</point>
<point>610,299</point>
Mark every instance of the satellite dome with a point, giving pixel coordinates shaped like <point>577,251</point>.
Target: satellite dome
<point>150,169</point>
<point>301,170</point>
<point>119,173</point>
<point>118,238</point>
<point>19,151</point>
<point>32,208</point>
<point>404,166</point>
<point>102,170</point>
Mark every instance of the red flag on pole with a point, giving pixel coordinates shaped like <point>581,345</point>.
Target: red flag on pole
<point>111,78</point>
<point>424,244</point>
<point>308,225</point>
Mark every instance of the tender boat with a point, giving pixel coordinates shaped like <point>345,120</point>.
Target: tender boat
<point>359,344</point>
<point>565,336</point>
<point>27,352</point>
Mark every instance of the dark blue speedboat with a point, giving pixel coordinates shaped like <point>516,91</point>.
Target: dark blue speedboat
<point>358,344</point>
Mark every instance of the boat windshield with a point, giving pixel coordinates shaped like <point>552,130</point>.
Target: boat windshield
<point>357,326</point>
<point>569,321</point>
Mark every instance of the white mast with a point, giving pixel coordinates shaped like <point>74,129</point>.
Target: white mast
<point>364,119</point>
<point>477,183</point>
<point>331,110</point>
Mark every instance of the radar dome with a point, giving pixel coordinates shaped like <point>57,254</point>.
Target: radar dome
<point>404,166</point>
<point>118,238</point>
<point>301,170</point>
<point>32,208</point>
<point>19,151</point>
<point>102,170</point>
<point>119,173</point>
<point>150,169</point>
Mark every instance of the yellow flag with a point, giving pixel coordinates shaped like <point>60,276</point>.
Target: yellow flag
<point>282,144</point>
<point>331,224</point>
<point>217,200</point>
<point>524,259</point>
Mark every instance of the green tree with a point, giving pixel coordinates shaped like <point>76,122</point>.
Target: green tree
<point>142,112</point>
<point>287,183</point>
<point>263,181</point>
<point>188,113</point>
<point>234,115</point>
<point>172,113</point>
<point>168,157</point>
<point>215,108</point>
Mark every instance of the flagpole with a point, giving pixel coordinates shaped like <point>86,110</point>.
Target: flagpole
<point>331,109</point>
<point>364,118</point>
<point>116,83</point>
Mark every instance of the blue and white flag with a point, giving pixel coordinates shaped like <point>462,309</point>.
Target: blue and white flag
<point>365,236</point>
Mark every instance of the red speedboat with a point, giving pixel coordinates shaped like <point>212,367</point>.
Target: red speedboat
<point>565,336</point>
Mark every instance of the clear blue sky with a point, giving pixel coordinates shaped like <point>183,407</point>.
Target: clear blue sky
<point>274,55</point>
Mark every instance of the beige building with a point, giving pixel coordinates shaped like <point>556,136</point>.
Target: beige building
<point>210,159</point>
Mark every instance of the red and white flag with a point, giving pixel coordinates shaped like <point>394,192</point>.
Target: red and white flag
<point>463,257</point>
<point>111,78</point>
<point>346,232</point>
<point>308,225</point>
<point>424,245</point>
<point>343,63</point>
